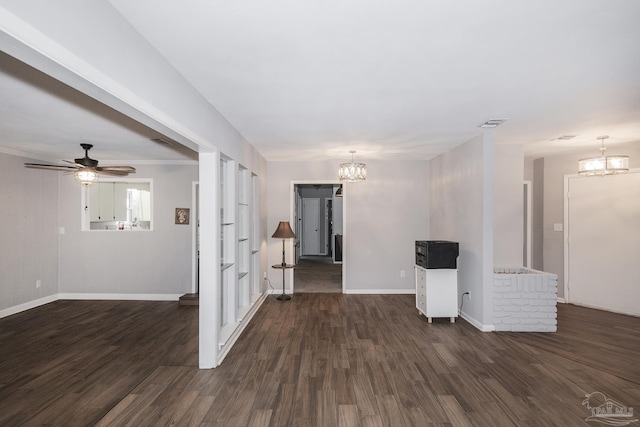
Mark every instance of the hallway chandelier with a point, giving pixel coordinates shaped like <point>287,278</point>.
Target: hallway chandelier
<point>352,172</point>
<point>603,165</point>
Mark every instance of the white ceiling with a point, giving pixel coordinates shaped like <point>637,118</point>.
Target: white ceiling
<point>47,120</point>
<point>403,79</point>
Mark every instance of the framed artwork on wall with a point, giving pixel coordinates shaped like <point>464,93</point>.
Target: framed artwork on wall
<point>182,215</point>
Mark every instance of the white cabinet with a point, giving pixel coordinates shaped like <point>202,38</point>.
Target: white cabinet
<point>437,292</point>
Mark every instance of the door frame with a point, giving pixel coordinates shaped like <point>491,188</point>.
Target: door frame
<point>292,217</point>
<point>528,185</point>
<point>195,236</point>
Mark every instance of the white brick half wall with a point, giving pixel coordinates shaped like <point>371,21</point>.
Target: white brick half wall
<point>524,300</point>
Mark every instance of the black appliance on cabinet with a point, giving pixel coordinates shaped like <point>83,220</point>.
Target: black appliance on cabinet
<point>432,254</point>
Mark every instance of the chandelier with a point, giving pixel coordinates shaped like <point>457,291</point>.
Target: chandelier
<point>352,172</point>
<point>603,165</point>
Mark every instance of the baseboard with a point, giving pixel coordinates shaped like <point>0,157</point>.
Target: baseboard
<point>411,291</point>
<point>476,324</point>
<point>74,296</point>
<point>28,305</point>
<point>561,300</point>
<point>123,297</point>
<point>238,331</point>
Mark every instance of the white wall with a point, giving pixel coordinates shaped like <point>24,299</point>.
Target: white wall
<point>462,210</point>
<point>29,230</point>
<point>384,217</point>
<point>508,205</point>
<point>130,262</point>
<point>555,168</point>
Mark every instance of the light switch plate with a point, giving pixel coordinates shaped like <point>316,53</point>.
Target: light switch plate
<point>557,227</point>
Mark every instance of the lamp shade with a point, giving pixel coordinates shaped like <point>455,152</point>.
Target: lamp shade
<point>284,231</point>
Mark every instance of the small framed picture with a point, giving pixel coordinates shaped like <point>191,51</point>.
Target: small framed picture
<point>182,215</point>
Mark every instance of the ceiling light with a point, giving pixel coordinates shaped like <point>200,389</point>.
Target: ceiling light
<point>603,165</point>
<point>352,172</point>
<point>493,123</point>
<point>86,176</point>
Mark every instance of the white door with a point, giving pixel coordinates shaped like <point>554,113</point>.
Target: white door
<point>311,226</point>
<point>604,242</point>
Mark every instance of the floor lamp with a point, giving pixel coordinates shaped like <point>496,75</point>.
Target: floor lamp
<point>283,232</point>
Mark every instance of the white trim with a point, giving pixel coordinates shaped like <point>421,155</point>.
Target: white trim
<point>476,324</point>
<point>209,292</point>
<point>27,305</point>
<point>293,216</point>
<point>565,220</point>
<point>561,300</point>
<point>607,310</point>
<point>90,297</point>
<point>84,203</point>
<point>344,238</point>
<point>123,297</point>
<point>410,291</point>
<point>529,223</point>
<point>195,218</point>
<point>241,325</point>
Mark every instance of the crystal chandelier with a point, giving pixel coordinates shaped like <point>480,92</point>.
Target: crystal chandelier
<point>352,172</point>
<point>603,165</point>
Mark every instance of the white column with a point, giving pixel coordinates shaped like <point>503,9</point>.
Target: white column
<point>209,259</point>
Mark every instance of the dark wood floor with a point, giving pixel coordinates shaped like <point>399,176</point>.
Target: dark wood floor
<point>318,360</point>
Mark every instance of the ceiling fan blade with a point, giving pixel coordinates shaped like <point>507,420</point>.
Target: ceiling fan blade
<point>127,169</point>
<point>113,173</point>
<point>51,167</point>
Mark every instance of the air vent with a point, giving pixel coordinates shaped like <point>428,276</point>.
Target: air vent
<point>564,138</point>
<point>493,123</point>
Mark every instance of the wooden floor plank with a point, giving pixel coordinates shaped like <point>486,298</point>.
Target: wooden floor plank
<point>317,360</point>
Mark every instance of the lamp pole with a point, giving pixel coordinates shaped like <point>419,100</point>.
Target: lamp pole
<point>284,296</point>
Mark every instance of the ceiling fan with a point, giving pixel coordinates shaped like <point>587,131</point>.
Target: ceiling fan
<point>86,169</point>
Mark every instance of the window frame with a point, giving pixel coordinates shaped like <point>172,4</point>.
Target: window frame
<point>85,217</point>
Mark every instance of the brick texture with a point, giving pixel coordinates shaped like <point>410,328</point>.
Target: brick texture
<point>524,300</point>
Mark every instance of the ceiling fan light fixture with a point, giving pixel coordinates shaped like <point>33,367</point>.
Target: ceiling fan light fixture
<point>603,165</point>
<point>86,176</point>
<point>85,169</point>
